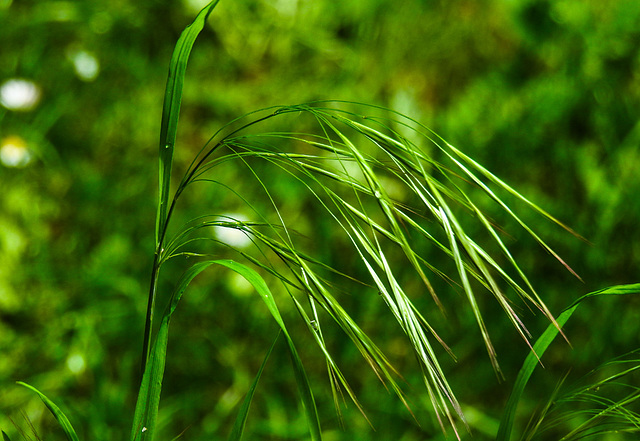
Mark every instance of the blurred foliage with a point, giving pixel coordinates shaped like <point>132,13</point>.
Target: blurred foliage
<point>546,94</point>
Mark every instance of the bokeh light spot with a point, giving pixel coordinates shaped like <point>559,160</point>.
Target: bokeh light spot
<point>19,94</point>
<point>232,236</point>
<point>86,65</point>
<point>76,363</point>
<point>14,152</point>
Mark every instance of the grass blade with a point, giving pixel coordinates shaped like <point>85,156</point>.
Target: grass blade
<point>55,410</point>
<point>171,110</point>
<point>304,387</point>
<point>541,345</point>
<point>146,412</point>
<point>241,419</point>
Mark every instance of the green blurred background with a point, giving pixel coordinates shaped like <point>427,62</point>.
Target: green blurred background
<point>546,94</point>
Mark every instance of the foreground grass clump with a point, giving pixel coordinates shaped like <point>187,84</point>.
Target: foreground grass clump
<point>393,191</point>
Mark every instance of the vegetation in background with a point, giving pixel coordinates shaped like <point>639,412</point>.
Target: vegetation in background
<point>543,94</point>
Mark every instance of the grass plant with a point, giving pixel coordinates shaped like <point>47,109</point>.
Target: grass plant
<point>394,192</point>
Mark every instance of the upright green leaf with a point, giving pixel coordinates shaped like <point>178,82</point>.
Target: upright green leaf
<point>168,130</point>
<point>171,110</point>
<point>146,412</point>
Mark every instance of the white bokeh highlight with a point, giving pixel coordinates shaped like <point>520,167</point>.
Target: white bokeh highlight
<point>19,94</point>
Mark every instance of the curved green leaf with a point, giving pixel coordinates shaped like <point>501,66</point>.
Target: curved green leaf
<point>146,412</point>
<point>541,345</point>
<point>304,387</point>
<point>57,413</point>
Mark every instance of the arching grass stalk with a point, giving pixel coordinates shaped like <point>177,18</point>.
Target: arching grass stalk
<point>344,165</point>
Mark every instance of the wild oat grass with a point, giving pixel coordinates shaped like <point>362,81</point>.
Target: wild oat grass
<point>391,188</point>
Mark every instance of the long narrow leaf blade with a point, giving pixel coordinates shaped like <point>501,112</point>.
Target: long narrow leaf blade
<point>541,345</point>
<point>241,419</point>
<point>171,109</point>
<point>57,413</point>
<point>304,387</point>
<point>146,412</point>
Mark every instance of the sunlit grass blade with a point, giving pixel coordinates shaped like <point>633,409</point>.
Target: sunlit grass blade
<point>315,287</point>
<point>539,348</point>
<point>509,189</point>
<point>405,314</point>
<point>243,413</point>
<point>410,160</point>
<point>386,204</point>
<point>444,146</point>
<point>306,394</point>
<point>447,149</point>
<point>63,421</point>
